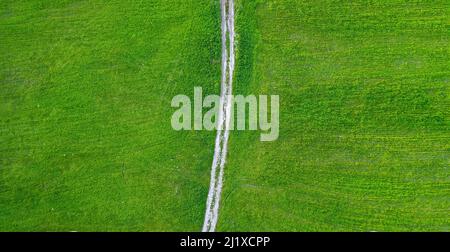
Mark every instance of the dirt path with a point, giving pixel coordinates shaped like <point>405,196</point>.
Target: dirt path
<point>220,151</point>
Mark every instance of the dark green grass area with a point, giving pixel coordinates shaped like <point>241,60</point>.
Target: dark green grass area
<point>364,120</point>
<point>85,89</point>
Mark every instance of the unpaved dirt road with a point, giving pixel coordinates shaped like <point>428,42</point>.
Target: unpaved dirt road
<point>220,151</point>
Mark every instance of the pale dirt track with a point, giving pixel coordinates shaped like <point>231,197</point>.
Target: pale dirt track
<point>220,151</point>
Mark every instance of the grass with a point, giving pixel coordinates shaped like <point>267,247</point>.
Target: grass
<point>364,117</point>
<point>87,145</point>
<point>86,140</point>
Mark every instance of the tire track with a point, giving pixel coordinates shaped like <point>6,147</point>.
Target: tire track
<point>224,117</point>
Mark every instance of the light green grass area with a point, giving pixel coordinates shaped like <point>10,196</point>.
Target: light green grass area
<point>86,140</point>
<point>364,120</point>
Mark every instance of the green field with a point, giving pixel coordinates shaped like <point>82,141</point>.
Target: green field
<point>87,145</point>
<point>86,140</point>
<point>364,117</point>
